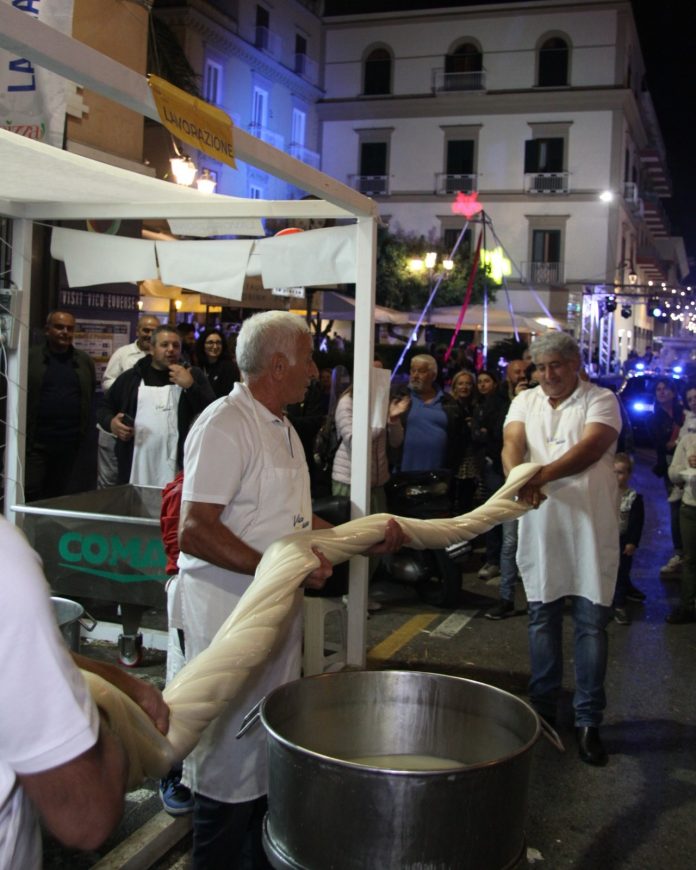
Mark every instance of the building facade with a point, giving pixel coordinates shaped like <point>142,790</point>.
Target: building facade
<point>261,64</point>
<point>537,107</point>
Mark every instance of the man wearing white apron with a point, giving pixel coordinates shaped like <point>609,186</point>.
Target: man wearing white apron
<point>246,485</point>
<point>569,545</point>
<point>150,407</point>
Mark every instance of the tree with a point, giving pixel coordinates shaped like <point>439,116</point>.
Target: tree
<point>399,287</point>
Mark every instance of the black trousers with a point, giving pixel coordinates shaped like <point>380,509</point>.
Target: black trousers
<point>228,836</point>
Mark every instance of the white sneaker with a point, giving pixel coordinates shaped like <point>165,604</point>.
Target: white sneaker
<point>674,566</point>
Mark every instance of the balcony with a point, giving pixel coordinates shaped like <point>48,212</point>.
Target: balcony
<point>656,218</point>
<point>446,182</point>
<point>458,81</point>
<point>547,182</point>
<point>268,41</point>
<point>306,68</point>
<point>370,185</point>
<point>267,135</point>
<point>544,273</point>
<point>311,158</point>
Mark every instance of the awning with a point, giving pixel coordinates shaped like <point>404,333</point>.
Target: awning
<point>336,306</point>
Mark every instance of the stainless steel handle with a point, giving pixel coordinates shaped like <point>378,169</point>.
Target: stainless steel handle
<point>250,719</point>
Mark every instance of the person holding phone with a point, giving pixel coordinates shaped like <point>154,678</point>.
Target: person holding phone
<point>150,408</point>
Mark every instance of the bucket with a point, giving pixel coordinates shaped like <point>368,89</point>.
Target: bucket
<point>334,804</point>
<point>71,617</point>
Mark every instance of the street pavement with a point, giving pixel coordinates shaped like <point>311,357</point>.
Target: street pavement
<point>635,814</point>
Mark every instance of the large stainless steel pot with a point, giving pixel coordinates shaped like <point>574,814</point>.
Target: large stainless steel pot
<point>329,813</point>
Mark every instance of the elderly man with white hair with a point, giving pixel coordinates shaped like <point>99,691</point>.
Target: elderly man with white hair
<point>569,546</point>
<point>246,485</point>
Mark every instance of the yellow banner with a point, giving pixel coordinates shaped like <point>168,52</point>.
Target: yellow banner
<point>194,121</point>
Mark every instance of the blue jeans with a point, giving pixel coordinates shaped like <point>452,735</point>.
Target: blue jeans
<point>508,561</point>
<point>590,651</point>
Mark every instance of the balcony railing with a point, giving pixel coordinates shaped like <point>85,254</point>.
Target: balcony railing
<point>459,81</point>
<point>545,273</point>
<point>371,185</point>
<point>306,68</point>
<point>455,183</point>
<point>268,41</point>
<point>547,182</point>
<point>267,135</point>
<point>311,158</point>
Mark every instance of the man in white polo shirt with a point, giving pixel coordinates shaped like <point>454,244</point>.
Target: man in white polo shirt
<point>569,546</point>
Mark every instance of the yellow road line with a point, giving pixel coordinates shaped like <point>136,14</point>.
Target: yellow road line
<point>399,638</point>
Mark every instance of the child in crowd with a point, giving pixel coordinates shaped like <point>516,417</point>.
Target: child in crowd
<point>631,517</point>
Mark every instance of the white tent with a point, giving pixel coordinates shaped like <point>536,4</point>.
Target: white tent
<point>42,183</point>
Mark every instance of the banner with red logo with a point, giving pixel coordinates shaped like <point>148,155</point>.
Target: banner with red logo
<point>32,99</point>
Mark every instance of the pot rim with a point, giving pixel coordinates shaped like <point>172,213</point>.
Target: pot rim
<point>342,762</point>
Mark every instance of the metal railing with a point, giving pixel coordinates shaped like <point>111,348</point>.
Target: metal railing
<point>544,273</point>
<point>446,182</point>
<point>370,185</point>
<point>311,158</point>
<point>547,182</point>
<point>459,81</point>
<point>267,135</point>
<point>306,68</point>
<point>267,41</point>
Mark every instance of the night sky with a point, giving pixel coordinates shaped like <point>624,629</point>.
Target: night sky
<point>667,30</point>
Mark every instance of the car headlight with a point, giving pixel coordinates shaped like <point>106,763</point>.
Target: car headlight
<point>642,407</point>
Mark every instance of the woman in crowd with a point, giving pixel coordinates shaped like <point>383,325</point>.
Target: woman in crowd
<point>487,435</point>
<point>214,358</point>
<point>469,474</point>
<point>668,418</point>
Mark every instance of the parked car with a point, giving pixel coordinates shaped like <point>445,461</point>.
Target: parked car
<point>637,394</point>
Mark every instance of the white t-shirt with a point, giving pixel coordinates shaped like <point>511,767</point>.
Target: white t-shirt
<point>570,545</point>
<point>47,716</point>
<point>240,455</point>
<point>122,359</point>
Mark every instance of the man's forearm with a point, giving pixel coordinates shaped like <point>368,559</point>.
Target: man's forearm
<point>214,542</point>
<point>575,461</point>
<point>512,456</point>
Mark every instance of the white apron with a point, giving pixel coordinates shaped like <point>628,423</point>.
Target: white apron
<point>156,435</point>
<point>222,767</point>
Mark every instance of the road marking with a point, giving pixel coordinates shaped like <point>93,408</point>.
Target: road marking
<point>399,638</point>
<point>454,623</point>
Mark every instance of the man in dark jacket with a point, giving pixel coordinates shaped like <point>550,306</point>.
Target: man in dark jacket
<point>61,384</point>
<point>150,408</point>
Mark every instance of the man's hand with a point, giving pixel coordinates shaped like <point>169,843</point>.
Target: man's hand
<point>629,549</point>
<point>692,460</point>
<point>119,428</point>
<point>317,578</point>
<point>394,539</point>
<point>398,406</point>
<point>181,376</point>
<point>531,492</point>
<point>145,695</point>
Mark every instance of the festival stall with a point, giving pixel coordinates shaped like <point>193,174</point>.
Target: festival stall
<point>44,184</point>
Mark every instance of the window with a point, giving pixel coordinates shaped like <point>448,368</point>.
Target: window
<point>466,58</point>
<point>553,63</point>
<point>212,83</point>
<point>300,54</point>
<point>255,192</point>
<point>263,26</point>
<point>546,246</point>
<point>373,158</point>
<point>377,72</point>
<point>543,155</point>
<point>460,157</point>
<point>259,108</point>
<point>449,240</point>
<point>299,126</point>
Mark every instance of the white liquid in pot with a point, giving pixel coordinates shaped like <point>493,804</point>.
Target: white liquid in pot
<point>407,762</point>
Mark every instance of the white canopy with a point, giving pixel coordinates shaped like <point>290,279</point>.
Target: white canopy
<point>41,183</point>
